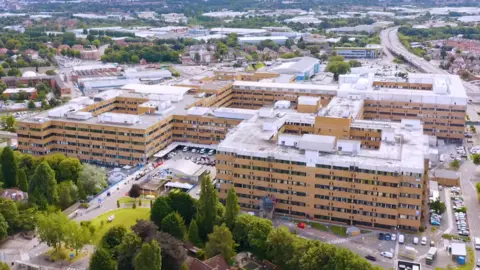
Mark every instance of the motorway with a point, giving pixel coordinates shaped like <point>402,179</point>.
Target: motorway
<point>391,44</point>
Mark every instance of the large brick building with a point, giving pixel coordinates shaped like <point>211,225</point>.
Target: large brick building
<point>355,153</point>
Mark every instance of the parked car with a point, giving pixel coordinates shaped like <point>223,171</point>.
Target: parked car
<point>401,238</point>
<point>371,258</point>
<point>381,236</point>
<point>424,241</point>
<point>388,237</point>
<point>394,237</point>
<point>415,240</point>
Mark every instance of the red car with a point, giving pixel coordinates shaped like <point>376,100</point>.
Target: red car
<point>158,164</point>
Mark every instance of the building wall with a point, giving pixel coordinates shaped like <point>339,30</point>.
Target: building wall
<point>333,194</point>
<point>357,53</point>
<point>448,182</point>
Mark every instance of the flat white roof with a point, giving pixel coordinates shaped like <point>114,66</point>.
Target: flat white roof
<point>93,67</point>
<point>157,89</point>
<point>17,90</point>
<point>246,39</point>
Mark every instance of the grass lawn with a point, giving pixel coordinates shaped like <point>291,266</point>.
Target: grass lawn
<point>125,217</point>
<point>319,226</point>
<point>128,200</point>
<point>340,231</point>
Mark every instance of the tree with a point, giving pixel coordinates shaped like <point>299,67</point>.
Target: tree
<point>240,230</point>
<point>206,207</point>
<point>174,225</point>
<point>149,257</point>
<point>52,228</point>
<point>455,164</point>
<point>31,105</point>
<point>337,68</point>
<point>69,169</point>
<point>220,241</point>
<point>476,159</point>
<point>135,191</point>
<point>182,203</point>
<point>93,179</point>
<point>354,63</point>
<point>9,123</point>
<point>102,260</point>
<point>160,210</point>
<point>9,168</point>
<point>9,210</point>
<point>3,227</point>
<point>81,191</point>
<point>443,53</point>
<point>465,74</point>
<point>197,57</point>
<point>54,161</point>
<point>280,246</point>
<point>193,234</point>
<point>183,266</point>
<point>258,231</point>
<point>232,208</point>
<point>438,206</point>
<point>14,72</point>
<point>43,186</point>
<point>67,194</point>
<point>77,236</point>
<point>22,181</point>
<point>113,238</point>
<point>127,250</point>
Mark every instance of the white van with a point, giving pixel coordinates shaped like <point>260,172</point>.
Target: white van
<point>477,243</point>
<point>401,239</point>
<point>387,254</point>
<point>415,240</point>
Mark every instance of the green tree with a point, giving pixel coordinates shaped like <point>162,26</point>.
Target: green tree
<point>354,63</point>
<point>102,260</point>
<point>135,191</point>
<point>183,266</point>
<point>69,169</point>
<point>280,247</point>
<point>438,206</point>
<point>67,194</point>
<point>149,257</point>
<point>113,238</point>
<point>31,105</point>
<point>476,159</point>
<point>160,210</point>
<point>232,208</point>
<point>52,228</point>
<point>174,225</point>
<point>206,207</point>
<point>455,164</point>
<point>220,241</point>
<point>77,236</point>
<point>54,161</point>
<point>14,72</point>
<point>43,186</point>
<point>131,243</point>
<point>197,57</point>
<point>193,234</point>
<point>22,181</point>
<point>337,68</point>
<point>182,203</point>
<point>241,228</point>
<point>9,210</point>
<point>9,123</point>
<point>258,231</point>
<point>3,227</point>
<point>9,168</point>
<point>93,179</point>
<point>4,266</point>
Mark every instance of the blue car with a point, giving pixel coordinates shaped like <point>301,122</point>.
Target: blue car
<point>388,237</point>
<point>381,236</point>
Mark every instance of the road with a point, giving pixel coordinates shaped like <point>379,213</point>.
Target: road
<point>391,43</point>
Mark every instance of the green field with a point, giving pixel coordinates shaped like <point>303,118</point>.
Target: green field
<point>128,200</point>
<point>125,217</point>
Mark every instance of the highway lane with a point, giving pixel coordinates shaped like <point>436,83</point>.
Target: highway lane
<point>391,43</point>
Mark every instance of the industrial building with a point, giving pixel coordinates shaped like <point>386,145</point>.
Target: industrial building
<point>354,153</point>
<point>303,67</point>
<point>280,40</point>
<point>368,52</point>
